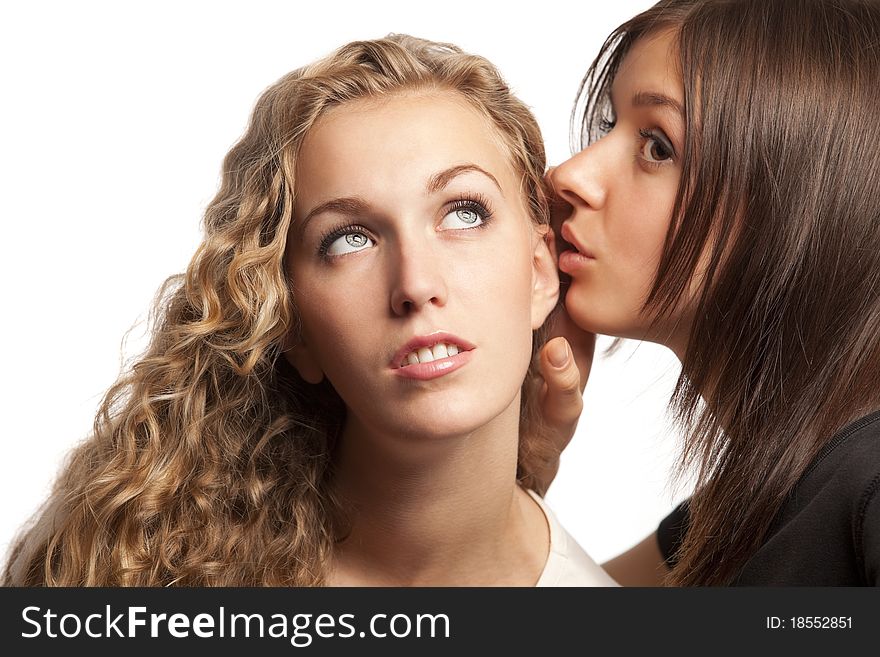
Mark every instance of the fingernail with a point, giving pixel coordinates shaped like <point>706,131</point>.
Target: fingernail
<point>558,354</point>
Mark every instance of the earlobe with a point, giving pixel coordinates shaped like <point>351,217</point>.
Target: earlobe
<point>300,356</point>
<point>545,278</point>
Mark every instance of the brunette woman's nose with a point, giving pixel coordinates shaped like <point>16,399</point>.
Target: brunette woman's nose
<point>579,181</point>
<point>418,281</point>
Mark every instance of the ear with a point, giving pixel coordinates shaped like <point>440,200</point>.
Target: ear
<point>545,278</point>
<point>298,354</point>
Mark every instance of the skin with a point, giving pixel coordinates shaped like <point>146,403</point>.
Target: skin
<point>618,195</point>
<point>624,215</point>
<point>429,466</point>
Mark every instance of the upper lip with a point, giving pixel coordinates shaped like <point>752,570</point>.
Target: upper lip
<point>569,236</point>
<point>429,340</point>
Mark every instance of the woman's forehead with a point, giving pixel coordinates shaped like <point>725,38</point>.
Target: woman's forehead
<point>650,69</point>
<point>401,137</point>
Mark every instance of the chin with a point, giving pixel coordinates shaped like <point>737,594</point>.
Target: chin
<point>441,427</point>
<point>444,421</point>
<point>458,410</point>
<point>587,319</point>
<point>590,316</point>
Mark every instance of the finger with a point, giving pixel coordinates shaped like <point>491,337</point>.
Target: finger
<point>562,400</point>
<point>581,343</point>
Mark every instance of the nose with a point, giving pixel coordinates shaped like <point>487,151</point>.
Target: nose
<point>418,280</point>
<point>580,181</point>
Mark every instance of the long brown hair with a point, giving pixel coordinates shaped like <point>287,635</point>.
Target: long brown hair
<point>780,188</point>
<point>210,459</point>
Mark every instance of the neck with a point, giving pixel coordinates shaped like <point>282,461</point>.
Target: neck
<point>427,511</point>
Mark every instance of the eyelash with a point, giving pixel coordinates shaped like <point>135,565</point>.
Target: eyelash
<point>606,125</point>
<point>332,234</point>
<point>661,140</point>
<point>474,202</point>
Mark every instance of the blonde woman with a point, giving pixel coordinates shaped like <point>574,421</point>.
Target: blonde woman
<point>340,390</point>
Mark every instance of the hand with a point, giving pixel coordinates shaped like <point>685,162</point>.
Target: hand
<point>565,359</point>
<point>565,362</point>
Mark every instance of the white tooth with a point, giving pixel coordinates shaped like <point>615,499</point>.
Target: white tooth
<point>425,355</point>
<point>412,358</point>
<point>451,349</point>
<point>439,351</point>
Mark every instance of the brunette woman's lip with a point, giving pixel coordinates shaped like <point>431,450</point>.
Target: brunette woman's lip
<point>435,368</point>
<point>572,261</point>
<point>568,235</point>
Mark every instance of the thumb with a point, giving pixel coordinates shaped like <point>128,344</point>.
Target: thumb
<point>562,401</point>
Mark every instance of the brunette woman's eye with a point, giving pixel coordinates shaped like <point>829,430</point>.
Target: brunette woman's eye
<point>606,124</point>
<point>655,147</point>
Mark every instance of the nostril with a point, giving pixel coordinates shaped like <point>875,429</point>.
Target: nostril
<point>560,210</point>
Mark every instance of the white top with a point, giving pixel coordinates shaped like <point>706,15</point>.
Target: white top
<point>568,564</point>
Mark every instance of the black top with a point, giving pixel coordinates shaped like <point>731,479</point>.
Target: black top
<point>827,532</point>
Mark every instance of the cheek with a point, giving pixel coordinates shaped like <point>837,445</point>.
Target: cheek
<point>333,315</point>
<point>503,305</point>
<point>609,300</point>
<point>637,232</point>
<point>499,282</point>
<point>640,250</point>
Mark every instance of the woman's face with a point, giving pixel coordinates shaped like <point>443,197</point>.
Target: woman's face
<point>416,269</point>
<point>621,190</point>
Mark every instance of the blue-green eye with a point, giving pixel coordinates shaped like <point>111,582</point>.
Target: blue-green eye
<point>465,213</point>
<point>461,218</point>
<point>346,240</point>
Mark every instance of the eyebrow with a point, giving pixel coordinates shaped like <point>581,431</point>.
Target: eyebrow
<point>350,205</point>
<point>440,180</point>
<point>354,205</point>
<point>652,98</point>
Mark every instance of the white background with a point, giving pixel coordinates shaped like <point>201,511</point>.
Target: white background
<point>115,119</point>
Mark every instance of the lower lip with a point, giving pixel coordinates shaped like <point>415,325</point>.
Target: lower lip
<point>434,369</point>
<point>572,261</point>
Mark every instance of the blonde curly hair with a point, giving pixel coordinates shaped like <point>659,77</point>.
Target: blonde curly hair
<point>210,459</point>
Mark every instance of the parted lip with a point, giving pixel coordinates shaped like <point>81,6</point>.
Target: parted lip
<point>569,236</point>
<point>429,340</point>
